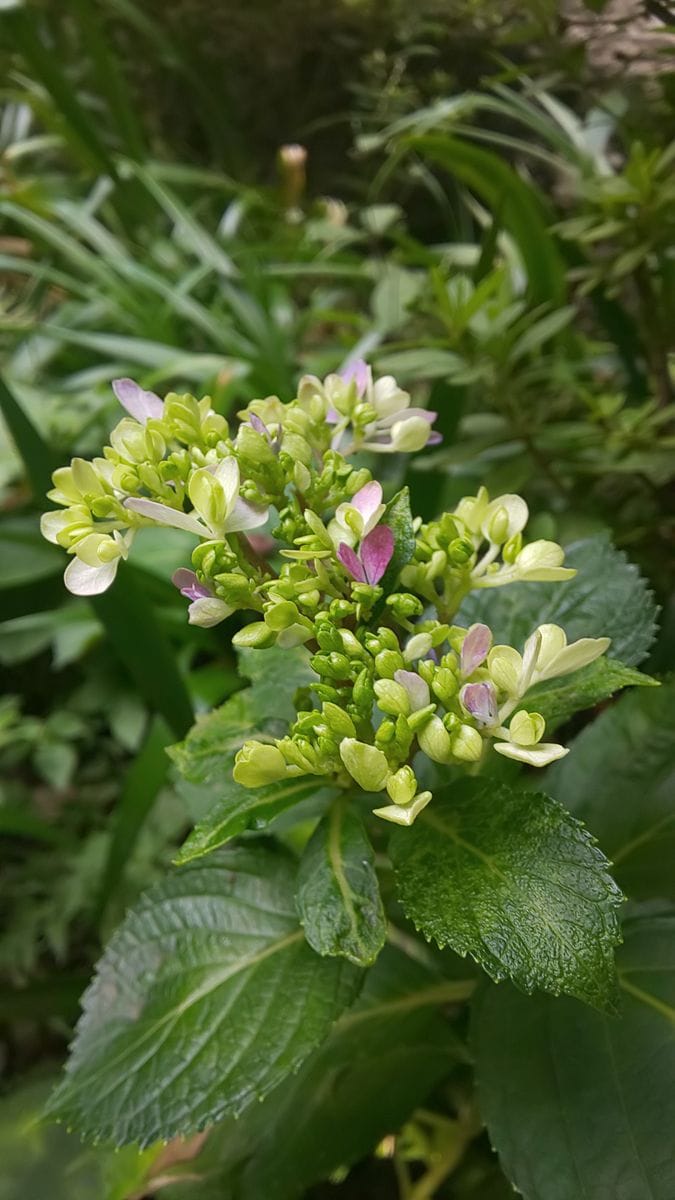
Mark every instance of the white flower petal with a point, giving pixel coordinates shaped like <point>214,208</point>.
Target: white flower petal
<point>535,756</point>
<point>83,580</point>
<point>245,516</point>
<point>227,474</point>
<point>165,515</point>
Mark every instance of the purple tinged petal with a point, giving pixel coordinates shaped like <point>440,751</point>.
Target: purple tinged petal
<point>188,585</point>
<point>435,438</point>
<point>475,648</point>
<point>332,416</point>
<point>359,372</point>
<point>368,499</point>
<point>415,686</point>
<point>259,425</point>
<point>349,560</point>
<point>376,551</point>
<point>480,699</point>
<point>139,404</point>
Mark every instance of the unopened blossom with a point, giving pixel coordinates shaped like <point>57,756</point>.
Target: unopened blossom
<point>396,426</point>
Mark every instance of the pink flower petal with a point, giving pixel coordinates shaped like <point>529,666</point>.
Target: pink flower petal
<point>349,560</point>
<point>188,585</point>
<point>480,700</point>
<point>475,648</point>
<point>139,404</point>
<point>376,551</point>
<point>368,500</point>
<point>359,371</point>
<point>415,686</point>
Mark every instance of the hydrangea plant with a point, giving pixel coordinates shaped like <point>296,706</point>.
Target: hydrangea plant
<point>396,695</point>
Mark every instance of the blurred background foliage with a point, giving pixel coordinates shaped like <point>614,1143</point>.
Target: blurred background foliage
<point>478,198</point>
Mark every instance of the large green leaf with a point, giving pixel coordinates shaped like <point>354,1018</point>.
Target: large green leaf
<point>206,998</point>
<point>620,780</point>
<point>579,1104</point>
<point>379,1063</point>
<point>338,894</point>
<point>559,699</point>
<point>206,756</point>
<point>238,809</point>
<point>607,598</point>
<point>511,878</point>
<point>520,207</point>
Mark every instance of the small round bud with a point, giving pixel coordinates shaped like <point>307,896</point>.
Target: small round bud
<point>444,685</point>
<point>257,764</point>
<point>366,764</point>
<point>402,786</point>
<point>388,662</point>
<point>467,744</point>
<point>338,721</point>
<point>434,740</point>
<point>460,552</point>
<point>526,729</point>
<point>255,636</point>
<point>392,698</point>
<point>404,605</point>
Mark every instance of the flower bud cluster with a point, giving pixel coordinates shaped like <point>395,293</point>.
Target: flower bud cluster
<point>291,531</point>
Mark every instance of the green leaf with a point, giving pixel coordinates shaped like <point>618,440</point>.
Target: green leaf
<point>559,699</point>
<point>619,780</point>
<point>206,998</point>
<point>520,207</point>
<point>207,752</point>
<point>338,896</point>
<point>239,808</point>
<point>511,878</point>
<point>380,1062</point>
<point>146,776</point>
<point>275,676</point>
<point>131,626</point>
<point>36,455</point>
<point>26,556</point>
<point>607,598</point>
<point>579,1104</point>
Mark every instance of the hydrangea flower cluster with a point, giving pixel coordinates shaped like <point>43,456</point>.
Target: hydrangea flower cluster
<point>371,593</point>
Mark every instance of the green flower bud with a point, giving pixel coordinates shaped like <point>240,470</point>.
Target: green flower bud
<point>341,609</point>
<point>434,741</point>
<point>363,693</point>
<point>302,478</point>
<point>255,636</point>
<point>526,729</point>
<point>426,668</point>
<point>351,645</point>
<point>460,552</point>
<point>505,666</point>
<point>467,744</point>
<point>388,662</point>
<point>325,692</point>
<point>257,764</point>
<point>452,722</point>
<point>281,615</point>
<point>386,733</point>
<point>392,697</point>
<point>404,605</point>
<point>338,721</point>
<point>402,786</point>
<point>366,764</point>
<point>496,526</point>
<point>444,685</point>
<point>254,446</point>
<point>235,589</point>
<point>419,718</point>
<point>512,548</point>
